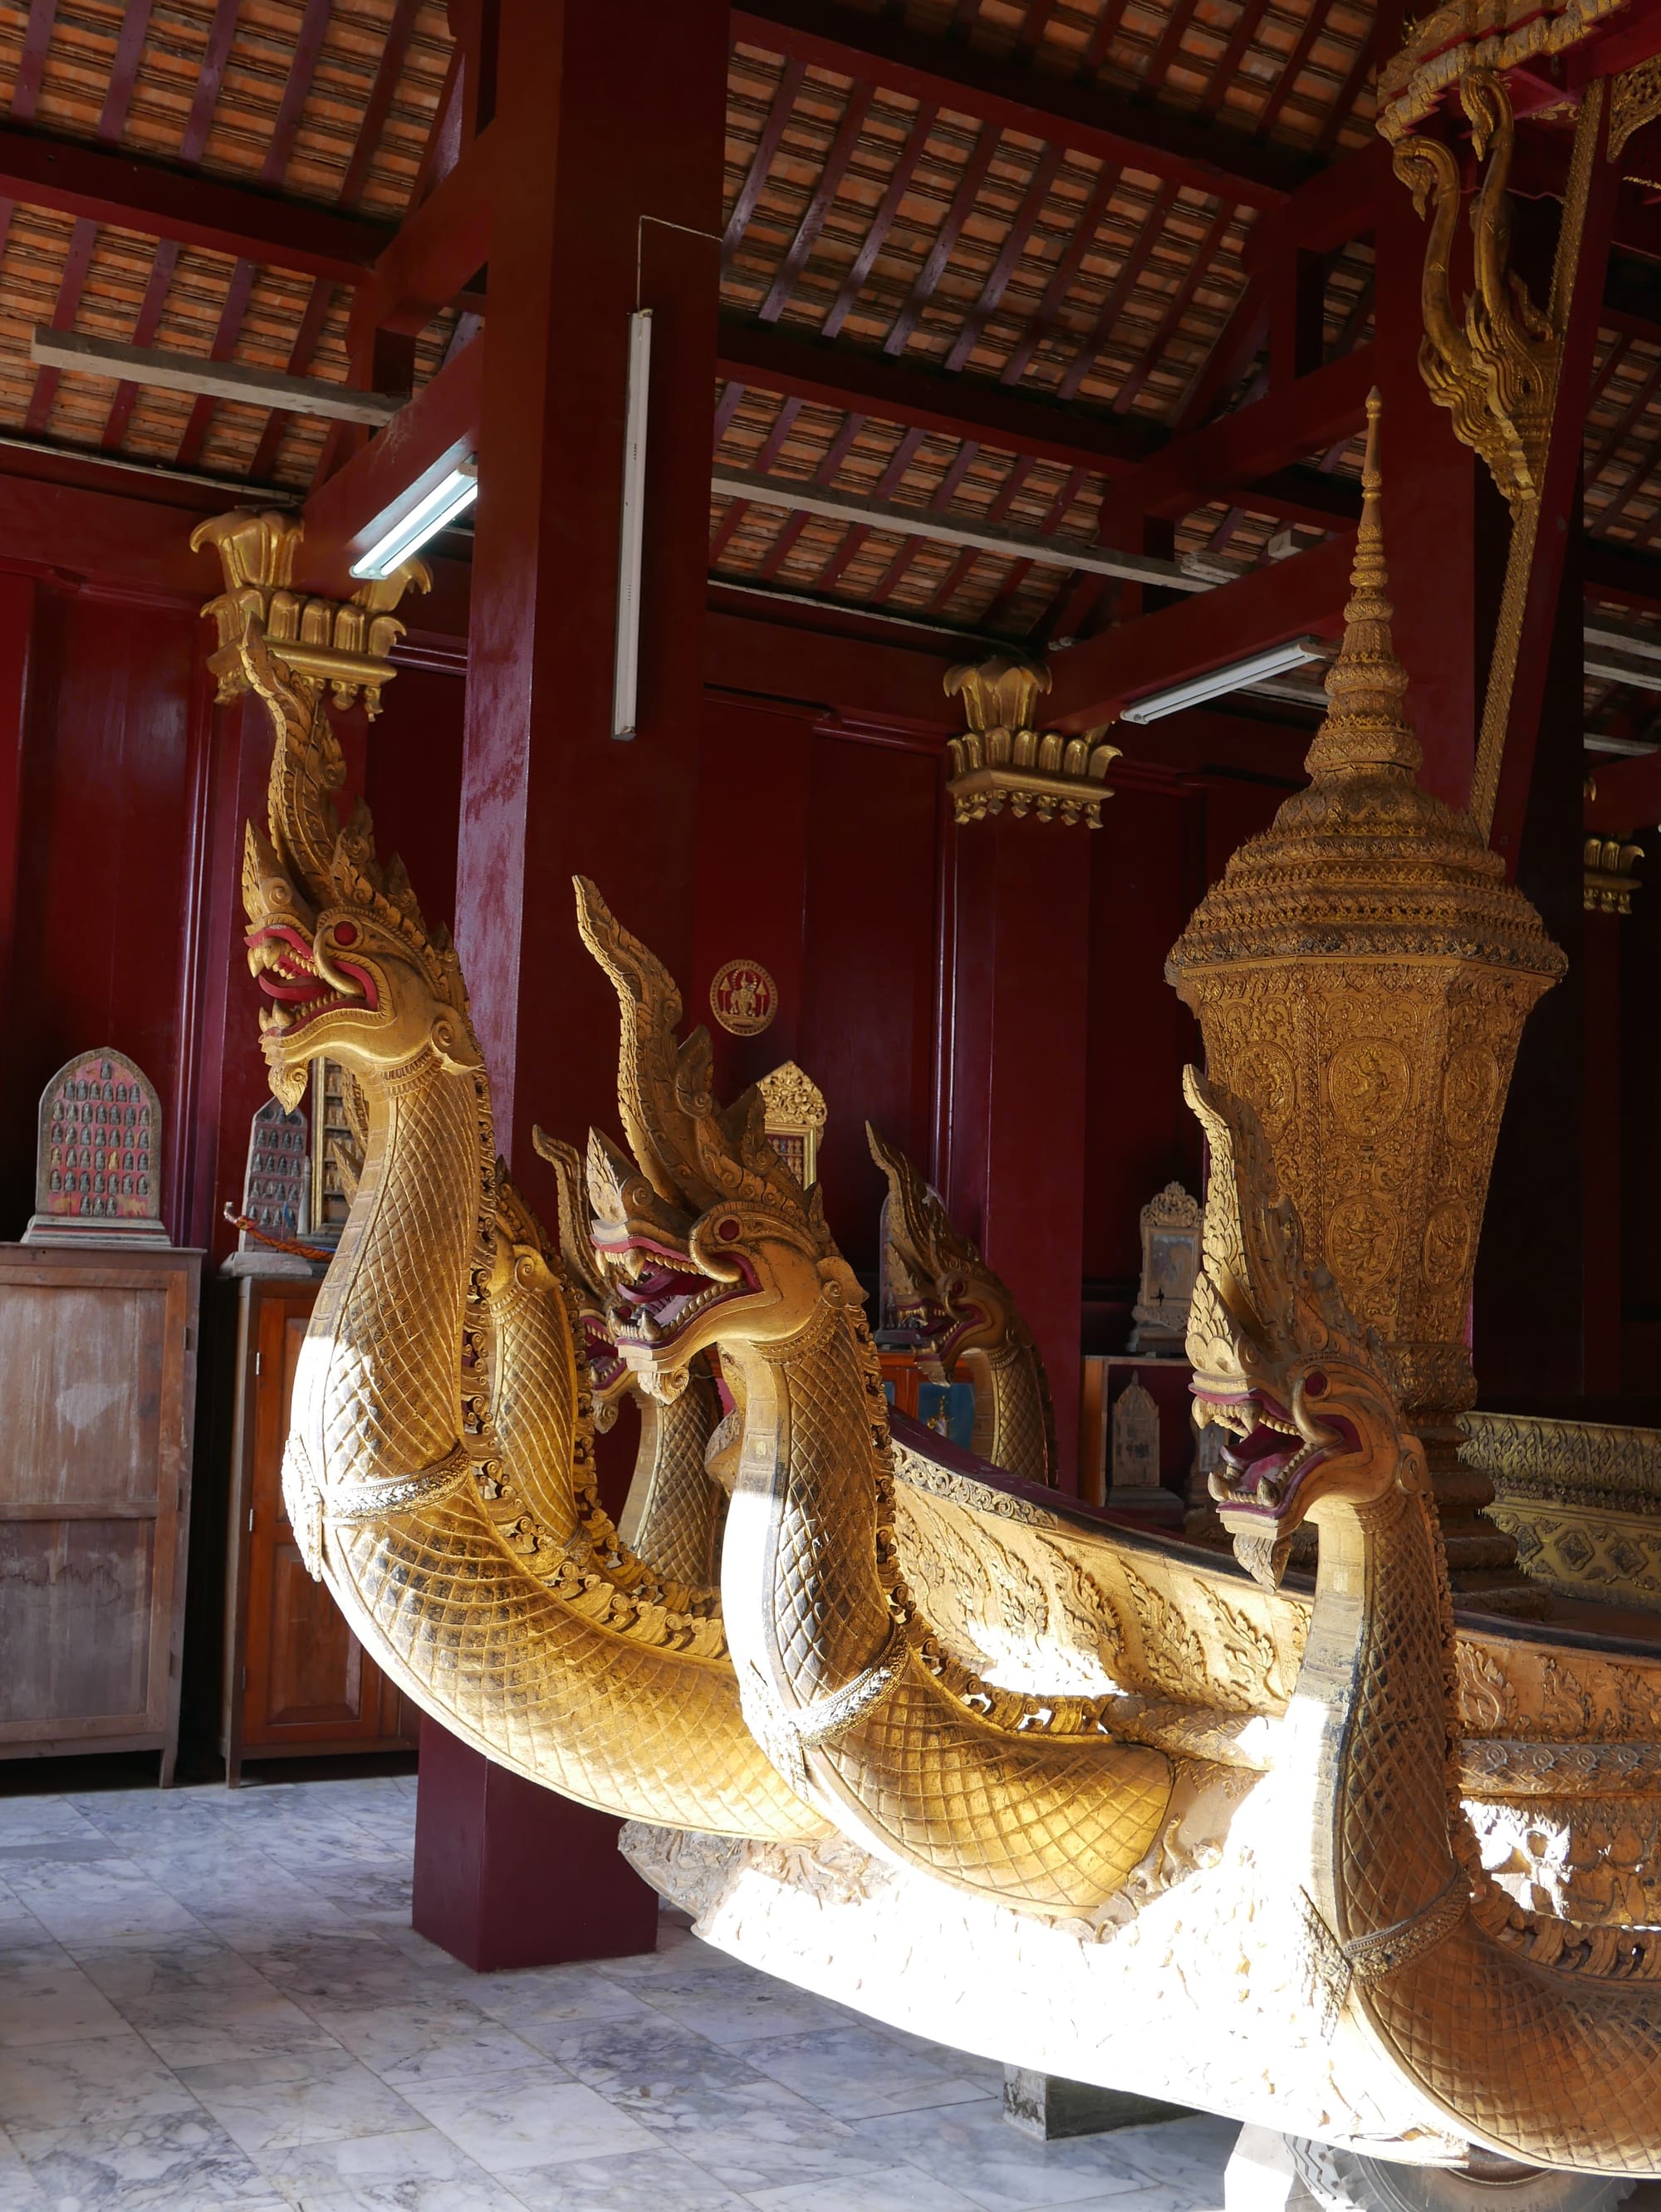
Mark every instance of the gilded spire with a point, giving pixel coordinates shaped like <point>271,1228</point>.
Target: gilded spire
<point>1365,726</point>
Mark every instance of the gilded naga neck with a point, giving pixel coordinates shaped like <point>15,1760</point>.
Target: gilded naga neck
<point>1549,2066</point>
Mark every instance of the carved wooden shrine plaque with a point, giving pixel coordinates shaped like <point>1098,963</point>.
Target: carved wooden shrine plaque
<point>279,1173</point>
<point>98,1165</point>
<point>1136,1440</point>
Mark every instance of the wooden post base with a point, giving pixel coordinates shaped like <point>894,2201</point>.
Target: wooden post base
<point>511,1875</point>
<point>1052,2108</point>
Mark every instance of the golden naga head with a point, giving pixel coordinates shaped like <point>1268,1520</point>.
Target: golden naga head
<point>943,1288</point>
<point>337,943</point>
<point>706,1236</point>
<point>584,1275</point>
<point>1306,1393</point>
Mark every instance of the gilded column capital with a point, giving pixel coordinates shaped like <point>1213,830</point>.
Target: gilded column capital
<point>342,644</point>
<point>1610,876</point>
<point>1003,760</point>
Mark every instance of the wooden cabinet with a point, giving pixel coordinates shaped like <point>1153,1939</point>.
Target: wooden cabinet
<point>97,1409</point>
<point>296,1680</point>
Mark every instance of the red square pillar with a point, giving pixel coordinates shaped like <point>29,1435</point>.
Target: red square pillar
<point>1019,1019</point>
<point>608,116</point>
<point>508,1875</point>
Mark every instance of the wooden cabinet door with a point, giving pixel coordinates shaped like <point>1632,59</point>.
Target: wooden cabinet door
<point>96,1405</point>
<point>307,1679</point>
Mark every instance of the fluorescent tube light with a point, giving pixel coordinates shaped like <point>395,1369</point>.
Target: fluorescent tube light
<point>626,668</point>
<point>1235,676</point>
<point>450,497</point>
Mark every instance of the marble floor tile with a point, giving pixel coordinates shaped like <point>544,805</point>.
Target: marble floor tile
<point>158,2162</point>
<point>104,2082</point>
<point>89,1904</point>
<point>411,2166</point>
<point>903,2189</point>
<point>215,1999</point>
<point>858,2072</point>
<point>256,1924</point>
<point>764,2010</point>
<point>353,1970</point>
<point>18,2190</point>
<point>318,2094</point>
<point>973,2148</point>
<point>45,1998</point>
<point>628,2181</point>
<point>525,2119</point>
<point>641,2061</point>
<point>430,2040</point>
<point>23,1819</point>
<point>759,2135</point>
<point>551,1997</point>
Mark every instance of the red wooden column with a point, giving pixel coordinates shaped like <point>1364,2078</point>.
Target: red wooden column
<point>1019,1010</point>
<point>608,115</point>
<point>1602,1200</point>
<point>1444,525</point>
<point>16,640</point>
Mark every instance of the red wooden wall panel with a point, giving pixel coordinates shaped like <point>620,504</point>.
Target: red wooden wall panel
<point>412,783</point>
<point>1141,890</point>
<point>867,1035</point>
<point>103,894</point>
<point>753,768</point>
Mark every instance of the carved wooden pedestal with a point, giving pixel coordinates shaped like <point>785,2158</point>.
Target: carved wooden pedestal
<point>508,1874</point>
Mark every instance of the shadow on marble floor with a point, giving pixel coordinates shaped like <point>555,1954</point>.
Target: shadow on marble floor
<point>211,1998</point>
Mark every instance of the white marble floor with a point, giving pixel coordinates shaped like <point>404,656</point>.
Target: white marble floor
<point>214,1998</point>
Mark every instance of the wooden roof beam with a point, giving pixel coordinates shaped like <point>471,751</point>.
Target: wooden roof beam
<point>103,186</point>
<point>1291,422</point>
<point>1618,573</point>
<point>1267,606</point>
<point>428,262</point>
<point>437,431</point>
<point>1336,205</point>
<point>1059,111</point>
<point>921,399</point>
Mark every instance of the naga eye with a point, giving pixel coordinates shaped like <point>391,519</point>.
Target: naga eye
<point>345,932</point>
<point>726,1230</point>
<point>1314,1383</point>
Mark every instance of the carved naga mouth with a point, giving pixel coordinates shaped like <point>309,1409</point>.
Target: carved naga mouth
<point>942,1329</point>
<point>605,1367</point>
<point>284,968</point>
<point>1269,1455</point>
<point>661,1294</point>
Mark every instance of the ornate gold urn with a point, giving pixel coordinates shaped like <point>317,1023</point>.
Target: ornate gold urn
<point>1362,974</point>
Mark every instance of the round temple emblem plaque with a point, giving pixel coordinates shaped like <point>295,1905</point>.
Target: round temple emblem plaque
<point>743,998</point>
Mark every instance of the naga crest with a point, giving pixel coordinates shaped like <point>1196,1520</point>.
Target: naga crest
<point>335,941</point>
<point>1307,1395</point>
<point>704,1235</point>
<point>608,1373</point>
<point>941,1287</point>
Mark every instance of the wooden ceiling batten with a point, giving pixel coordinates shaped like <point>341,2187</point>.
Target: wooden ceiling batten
<point>940,254</point>
<point>784,103</point>
<point>882,222</point>
<point>1014,244</point>
<point>210,77</point>
<point>889,483</point>
<point>769,454</point>
<point>1090,346</point>
<point>302,69</point>
<point>111,122</point>
<point>354,186</point>
<point>841,446</point>
<point>1045,326</point>
<point>819,205</point>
